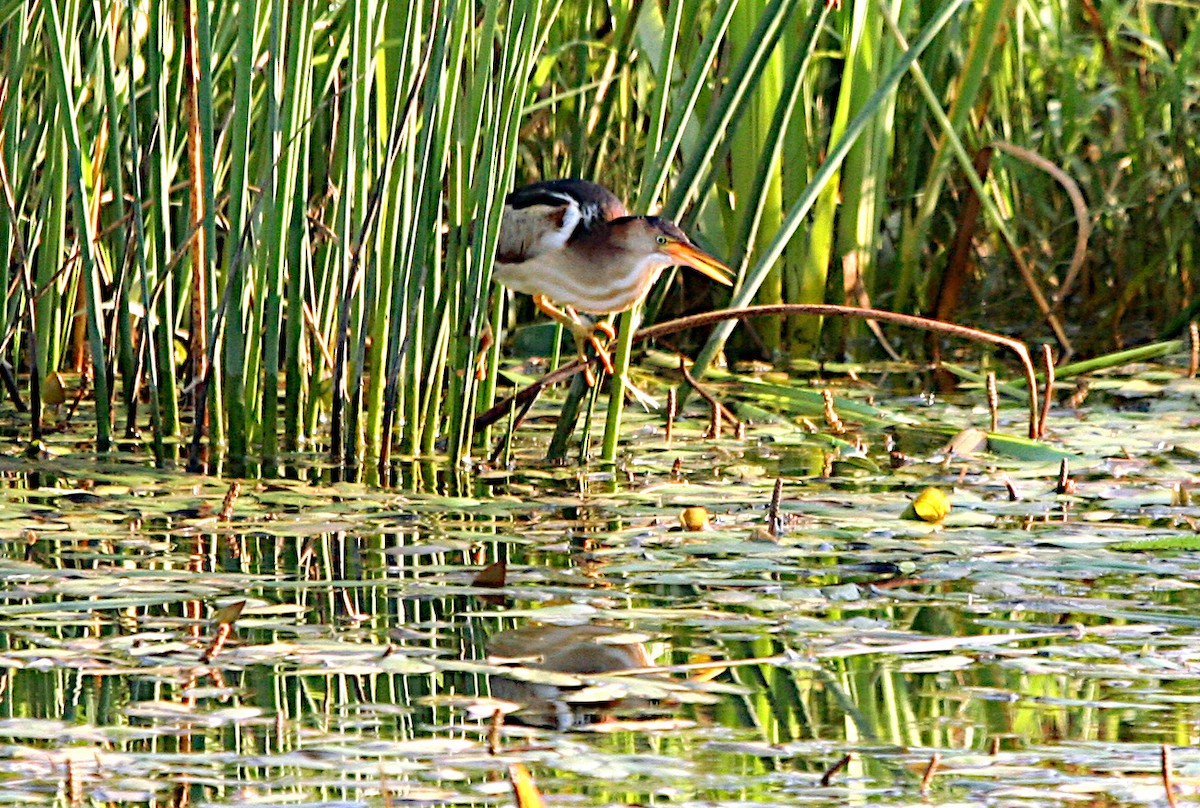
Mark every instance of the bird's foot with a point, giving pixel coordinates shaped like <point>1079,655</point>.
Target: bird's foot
<point>585,334</point>
<point>481,356</point>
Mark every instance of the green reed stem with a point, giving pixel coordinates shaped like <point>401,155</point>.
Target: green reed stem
<point>824,175</point>
<point>88,265</point>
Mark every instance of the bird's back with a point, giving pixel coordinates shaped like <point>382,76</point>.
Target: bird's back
<point>546,216</point>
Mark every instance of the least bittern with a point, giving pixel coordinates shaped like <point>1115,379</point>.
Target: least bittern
<point>572,242</point>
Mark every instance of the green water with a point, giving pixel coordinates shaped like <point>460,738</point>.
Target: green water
<point>1031,643</point>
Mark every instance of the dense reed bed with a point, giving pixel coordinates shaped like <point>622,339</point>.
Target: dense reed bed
<point>258,228</point>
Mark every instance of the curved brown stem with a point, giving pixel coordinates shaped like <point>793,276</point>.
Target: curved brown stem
<point>831,310</point>
<point>1083,217</point>
<point>521,397</point>
<point>819,309</point>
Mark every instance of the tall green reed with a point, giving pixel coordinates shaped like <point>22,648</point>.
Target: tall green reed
<point>89,269</point>
<point>311,193</point>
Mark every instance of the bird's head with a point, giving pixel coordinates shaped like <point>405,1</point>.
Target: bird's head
<point>652,236</point>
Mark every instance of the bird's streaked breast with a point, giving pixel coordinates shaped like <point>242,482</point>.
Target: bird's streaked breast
<point>569,279</point>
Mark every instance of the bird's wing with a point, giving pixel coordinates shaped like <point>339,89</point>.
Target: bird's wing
<point>545,216</point>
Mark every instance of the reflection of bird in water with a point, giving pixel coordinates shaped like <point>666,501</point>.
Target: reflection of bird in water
<point>562,649</point>
<point>572,242</point>
<point>570,649</point>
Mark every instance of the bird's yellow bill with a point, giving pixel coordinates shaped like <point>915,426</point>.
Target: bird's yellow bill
<point>697,259</point>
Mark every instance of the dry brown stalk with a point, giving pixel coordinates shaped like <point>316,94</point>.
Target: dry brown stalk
<point>1013,496</point>
<point>525,792</point>
<point>1194,342</point>
<point>930,771</point>
<point>198,337</point>
<point>494,732</point>
<point>1048,393</point>
<point>774,521</point>
<point>836,425</point>
<point>74,788</point>
<point>720,412</point>
<point>672,406</point>
<point>831,310</point>
<point>218,642</point>
<point>832,771</point>
<point>790,309</point>
<point>1168,777</point>
<point>226,514</point>
<point>1065,484</point>
<point>1083,217</point>
<point>993,399</point>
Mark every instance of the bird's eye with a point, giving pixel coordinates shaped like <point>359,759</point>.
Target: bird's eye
<point>661,239</point>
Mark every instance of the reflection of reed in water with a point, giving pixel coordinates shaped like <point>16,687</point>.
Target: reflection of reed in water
<point>542,655</point>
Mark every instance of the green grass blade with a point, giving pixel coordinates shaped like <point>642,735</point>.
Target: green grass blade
<point>800,208</point>
<point>88,265</point>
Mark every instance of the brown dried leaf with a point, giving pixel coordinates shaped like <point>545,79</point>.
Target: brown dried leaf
<point>492,575</point>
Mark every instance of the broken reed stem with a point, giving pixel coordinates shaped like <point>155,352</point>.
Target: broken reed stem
<point>930,771</point>
<point>226,514</point>
<point>218,681</point>
<point>672,406</point>
<point>1065,484</point>
<point>233,545</point>
<point>1048,394</point>
<point>526,396</point>
<point>494,732</point>
<point>719,411</point>
<point>74,788</point>
<point>993,399</point>
<point>1194,341</point>
<point>85,379</point>
<point>832,771</point>
<point>1079,395</point>
<point>504,442</point>
<point>836,425</point>
<point>1168,777</point>
<point>774,521</point>
<point>498,411</point>
<point>218,642</point>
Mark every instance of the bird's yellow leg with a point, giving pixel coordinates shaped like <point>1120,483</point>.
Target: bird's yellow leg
<point>481,357</point>
<point>584,332</point>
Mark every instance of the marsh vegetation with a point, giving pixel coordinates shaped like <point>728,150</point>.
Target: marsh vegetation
<point>255,240</point>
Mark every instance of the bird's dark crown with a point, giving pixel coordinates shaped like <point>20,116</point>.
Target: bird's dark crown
<point>654,223</point>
